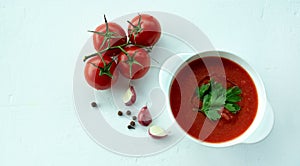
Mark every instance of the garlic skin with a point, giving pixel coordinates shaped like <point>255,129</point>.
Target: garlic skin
<point>144,116</point>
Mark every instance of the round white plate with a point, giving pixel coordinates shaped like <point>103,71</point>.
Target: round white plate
<point>103,124</point>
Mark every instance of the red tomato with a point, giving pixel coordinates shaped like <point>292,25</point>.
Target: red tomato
<point>144,30</point>
<point>100,75</point>
<point>135,63</point>
<point>109,34</point>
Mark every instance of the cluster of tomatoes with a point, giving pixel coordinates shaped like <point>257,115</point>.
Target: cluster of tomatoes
<point>119,53</point>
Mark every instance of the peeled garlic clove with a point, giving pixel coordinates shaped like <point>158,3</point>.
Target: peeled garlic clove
<point>129,96</point>
<point>157,132</point>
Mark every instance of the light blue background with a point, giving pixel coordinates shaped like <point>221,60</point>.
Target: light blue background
<point>40,42</point>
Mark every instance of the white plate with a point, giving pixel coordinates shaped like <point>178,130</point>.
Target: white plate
<point>108,129</point>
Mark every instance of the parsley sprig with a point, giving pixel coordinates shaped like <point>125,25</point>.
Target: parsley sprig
<point>214,97</point>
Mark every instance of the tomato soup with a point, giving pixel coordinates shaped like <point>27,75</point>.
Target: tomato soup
<point>195,123</point>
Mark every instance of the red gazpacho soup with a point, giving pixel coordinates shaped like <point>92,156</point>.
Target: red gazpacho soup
<point>189,107</point>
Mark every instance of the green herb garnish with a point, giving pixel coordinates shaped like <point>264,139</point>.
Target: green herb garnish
<point>202,90</point>
<point>214,97</point>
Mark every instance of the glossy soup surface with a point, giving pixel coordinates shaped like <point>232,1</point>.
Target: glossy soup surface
<point>195,123</point>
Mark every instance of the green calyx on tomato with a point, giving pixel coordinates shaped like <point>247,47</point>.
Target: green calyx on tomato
<point>144,30</point>
<point>107,35</point>
<point>105,70</point>
<point>98,70</point>
<point>130,60</point>
<point>136,28</point>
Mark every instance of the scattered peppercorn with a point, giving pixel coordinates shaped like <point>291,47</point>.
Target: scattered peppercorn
<point>130,127</point>
<point>133,117</point>
<point>132,123</point>
<point>94,104</point>
<point>120,113</point>
<point>128,112</point>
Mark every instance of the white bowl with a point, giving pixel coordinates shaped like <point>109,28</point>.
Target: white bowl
<point>263,121</point>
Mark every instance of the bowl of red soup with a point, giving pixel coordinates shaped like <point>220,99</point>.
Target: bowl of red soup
<point>216,98</point>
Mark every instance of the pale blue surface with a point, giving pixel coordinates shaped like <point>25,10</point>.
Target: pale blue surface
<point>40,42</point>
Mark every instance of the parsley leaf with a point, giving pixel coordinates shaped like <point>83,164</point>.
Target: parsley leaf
<point>201,91</point>
<point>232,107</point>
<point>218,94</point>
<point>233,98</point>
<point>214,97</point>
<point>234,91</point>
<point>213,114</point>
<point>210,111</point>
<point>206,103</point>
<point>232,94</point>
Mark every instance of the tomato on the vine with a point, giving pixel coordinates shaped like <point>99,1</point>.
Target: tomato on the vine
<point>133,62</point>
<point>108,35</point>
<point>144,30</point>
<point>99,72</point>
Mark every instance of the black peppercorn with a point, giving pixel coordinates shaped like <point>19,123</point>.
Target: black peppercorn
<point>94,104</point>
<point>130,127</point>
<point>133,117</point>
<point>128,112</point>
<point>120,113</point>
<point>132,123</point>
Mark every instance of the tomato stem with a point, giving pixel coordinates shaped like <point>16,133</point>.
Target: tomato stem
<point>104,64</point>
<point>102,51</point>
<point>126,53</point>
<point>106,24</point>
<point>148,49</point>
<point>131,24</point>
<point>99,33</point>
<point>89,56</point>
